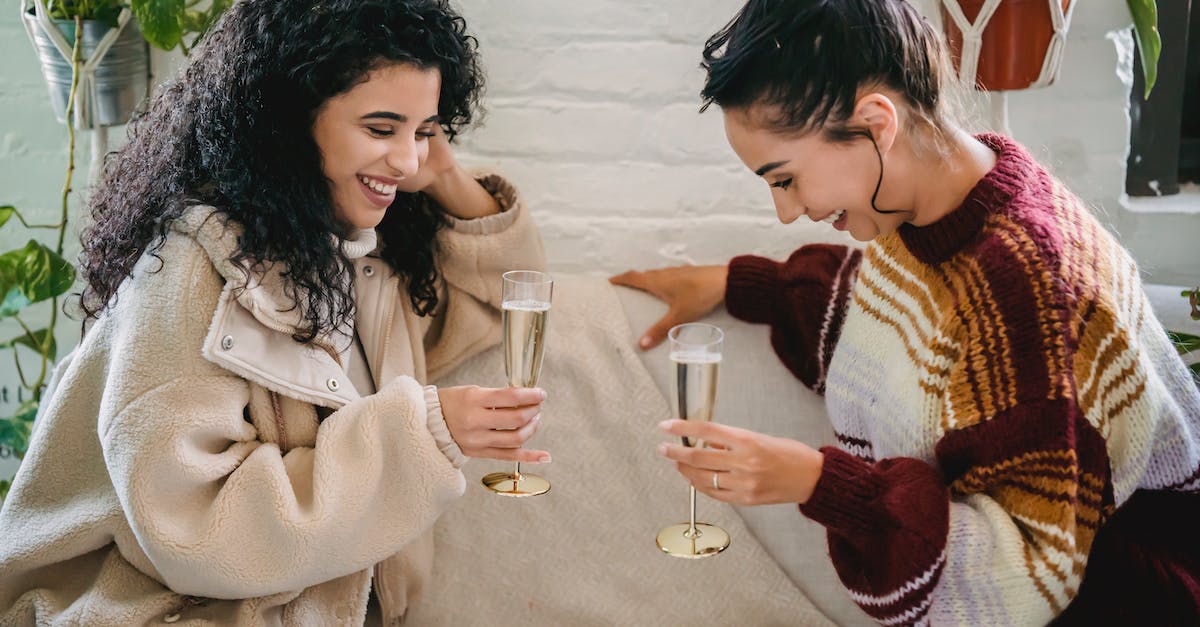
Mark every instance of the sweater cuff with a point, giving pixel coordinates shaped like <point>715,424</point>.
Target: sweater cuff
<point>510,208</point>
<point>752,289</point>
<point>845,499</point>
<point>436,423</point>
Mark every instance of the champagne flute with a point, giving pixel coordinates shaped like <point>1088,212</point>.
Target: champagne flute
<point>525,305</point>
<point>696,353</point>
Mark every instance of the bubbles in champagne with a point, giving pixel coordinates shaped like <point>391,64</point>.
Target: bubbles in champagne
<point>695,386</point>
<point>524,327</point>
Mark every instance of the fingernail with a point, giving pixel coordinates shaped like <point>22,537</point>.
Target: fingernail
<point>644,342</point>
<point>662,449</point>
<point>544,459</point>
<point>665,425</point>
<point>543,392</point>
<point>537,418</point>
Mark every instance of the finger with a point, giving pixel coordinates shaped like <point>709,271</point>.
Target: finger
<point>505,418</point>
<point>724,436</point>
<point>514,455</point>
<point>707,459</point>
<point>702,481</point>
<point>511,397</point>
<point>658,331</point>
<point>633,278</point>
<point>514,438</point>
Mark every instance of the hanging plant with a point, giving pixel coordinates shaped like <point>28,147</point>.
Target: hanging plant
<point>166,24</point>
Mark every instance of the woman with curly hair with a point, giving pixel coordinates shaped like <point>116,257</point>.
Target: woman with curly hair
<point>281,255</point>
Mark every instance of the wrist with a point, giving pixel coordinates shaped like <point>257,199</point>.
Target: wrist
<point>460,195</point>
<point>812,464</point>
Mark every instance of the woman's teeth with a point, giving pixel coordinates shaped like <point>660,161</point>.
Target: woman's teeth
<point>378,187</point>
<point>834,217</point>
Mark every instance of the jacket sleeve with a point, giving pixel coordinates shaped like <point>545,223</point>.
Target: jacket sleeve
<point>803,299</point>
<point>473,256</point>
<point>219,513</point>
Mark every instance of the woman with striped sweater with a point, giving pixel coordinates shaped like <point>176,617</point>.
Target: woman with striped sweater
<point>1020,444</point>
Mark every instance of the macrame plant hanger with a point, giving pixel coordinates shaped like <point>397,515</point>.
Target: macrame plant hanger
<point>86,114</point>
<point>972,35</point>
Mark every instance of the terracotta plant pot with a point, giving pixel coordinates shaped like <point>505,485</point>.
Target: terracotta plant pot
<point>1015,41</point>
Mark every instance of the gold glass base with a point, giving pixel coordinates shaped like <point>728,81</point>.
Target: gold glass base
<point>675,541</point>
<point>509,484</point>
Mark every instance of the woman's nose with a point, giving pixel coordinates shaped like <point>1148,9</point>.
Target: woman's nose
<point>404,157</point>
<point>787,210</point>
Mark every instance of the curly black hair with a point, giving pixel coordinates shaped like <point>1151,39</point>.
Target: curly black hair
<point>235,131</point>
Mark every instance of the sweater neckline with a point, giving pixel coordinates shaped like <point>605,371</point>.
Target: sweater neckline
<point>939,241</point>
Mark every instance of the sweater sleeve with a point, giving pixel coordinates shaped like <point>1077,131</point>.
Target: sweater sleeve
<point>804,299</point>
<point>1001,531</point>
<point>473,256</point>
<point>1007,527</point>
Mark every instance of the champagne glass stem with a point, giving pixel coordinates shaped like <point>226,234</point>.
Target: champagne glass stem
<point>692,530</point>
<point>517,471</point>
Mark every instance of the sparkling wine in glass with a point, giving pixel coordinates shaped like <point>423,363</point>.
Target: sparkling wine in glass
<point>695,356</point>
<point>525,305</point>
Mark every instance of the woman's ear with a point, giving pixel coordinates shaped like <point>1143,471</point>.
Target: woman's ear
<point>877,113</point>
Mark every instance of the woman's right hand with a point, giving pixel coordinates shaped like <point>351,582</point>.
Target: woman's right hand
<point>494,422</point>
<point>691,292</point>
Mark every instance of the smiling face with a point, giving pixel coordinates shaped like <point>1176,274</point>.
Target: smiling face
<point>812,176</point>
<point>374,136</point>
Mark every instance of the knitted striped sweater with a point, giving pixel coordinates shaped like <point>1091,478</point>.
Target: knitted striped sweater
<point>1002,393</point>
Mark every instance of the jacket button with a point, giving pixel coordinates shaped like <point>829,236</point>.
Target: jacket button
<point>227,342</point>
<point>171,618</point>
<point>369,270</point>
<point>333,385</point>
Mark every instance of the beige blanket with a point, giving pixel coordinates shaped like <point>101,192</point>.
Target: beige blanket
<point>584,554</point>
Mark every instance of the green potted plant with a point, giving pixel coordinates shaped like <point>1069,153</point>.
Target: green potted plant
<point>37,273</point>
<point>115,59</point>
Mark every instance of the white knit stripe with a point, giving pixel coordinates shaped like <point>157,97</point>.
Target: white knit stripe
<point>872,294</point>
<point>908,616</point>
<point>912,585</point>
<point>884,400</point>
<point>929,330</point>
<point>1046,528</point>
<point>880,254</point>
<point>838,293</point>
<point>1052,583</point>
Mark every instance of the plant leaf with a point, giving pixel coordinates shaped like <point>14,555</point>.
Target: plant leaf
<point>1184,342</point>
<point>32,274</point>
<point>16,429</point>
<point>34,342</point>
<point>6,212</point>
<point>1145,30</point>
<point>109,15</point>
<point>161,21</point>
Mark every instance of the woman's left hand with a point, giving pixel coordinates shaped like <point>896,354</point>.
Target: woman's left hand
<point>751,468</point>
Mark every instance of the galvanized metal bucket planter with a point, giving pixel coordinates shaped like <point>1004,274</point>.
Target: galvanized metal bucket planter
<point>116,66</point>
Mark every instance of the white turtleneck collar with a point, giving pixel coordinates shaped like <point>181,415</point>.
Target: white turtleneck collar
<point>360,243</point>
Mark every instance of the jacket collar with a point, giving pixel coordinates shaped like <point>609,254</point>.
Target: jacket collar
<point>260,288</point>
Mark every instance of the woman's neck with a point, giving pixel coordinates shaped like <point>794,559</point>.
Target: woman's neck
<point>943,184</point>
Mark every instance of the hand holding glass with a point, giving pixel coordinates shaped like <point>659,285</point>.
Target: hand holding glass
<point>695,355</point>
<point>525,305</point>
